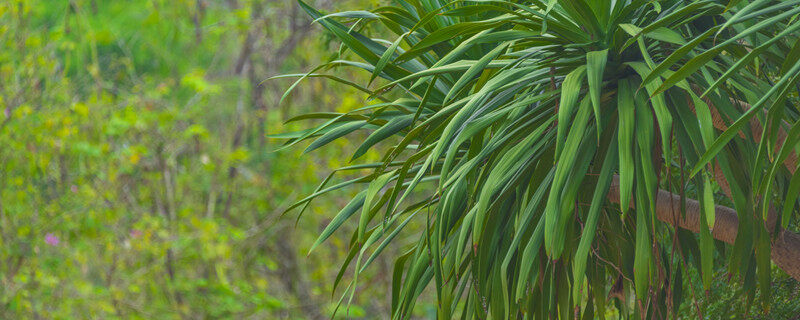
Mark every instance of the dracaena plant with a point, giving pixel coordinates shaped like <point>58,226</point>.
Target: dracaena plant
<point>567,156</point>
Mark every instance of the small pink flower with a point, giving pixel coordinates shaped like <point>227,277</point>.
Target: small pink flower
<point>74,188</point>
<point>135,233</point>
<point>51,239</point>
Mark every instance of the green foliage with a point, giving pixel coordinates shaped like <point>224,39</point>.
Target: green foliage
<point>136,181</point>
<point>504,122</point>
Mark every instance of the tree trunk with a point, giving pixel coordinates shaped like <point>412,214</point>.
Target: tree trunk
<point>785,251</point>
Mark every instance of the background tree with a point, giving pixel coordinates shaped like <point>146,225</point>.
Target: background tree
<point>136,181</point>
<point>566,156</point>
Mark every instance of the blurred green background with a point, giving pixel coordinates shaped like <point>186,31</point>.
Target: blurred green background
<point>136,178</point>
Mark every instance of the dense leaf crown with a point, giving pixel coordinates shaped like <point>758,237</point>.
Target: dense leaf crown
<point>515,118</point>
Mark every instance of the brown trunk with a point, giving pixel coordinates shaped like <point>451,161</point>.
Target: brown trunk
<point>785,251</point>
<point>785,246</point>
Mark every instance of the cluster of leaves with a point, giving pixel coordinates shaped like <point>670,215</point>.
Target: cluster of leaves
<point>509,121</point>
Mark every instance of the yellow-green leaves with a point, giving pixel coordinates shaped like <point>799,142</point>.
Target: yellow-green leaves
<point>641,260</point>
<point>553,233</point>
<point>660,33</point>
<point>387,130</point>
<point>337,221</point>
<point>595,66</point>
<point>659,104</point>
<point>570,92</point>
<point>734,129</point>
<point>627,123</point>
<point>791,199</point>
<point>592,217</point>
<point>387,55</point>
<point>500,184</point>
<point>677,55</point>
<point>646,184</point>
<point>334,134</point>
<point>708,203</point>
<point>740,13</point>
<point>702,59</point>
<point>474,70</point>
<point>706,240</point>
<point>350,14</point>
<point>367,210</point>
<point>750,56</point>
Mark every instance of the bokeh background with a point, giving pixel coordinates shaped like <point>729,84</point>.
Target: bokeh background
<point>137,180</point>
